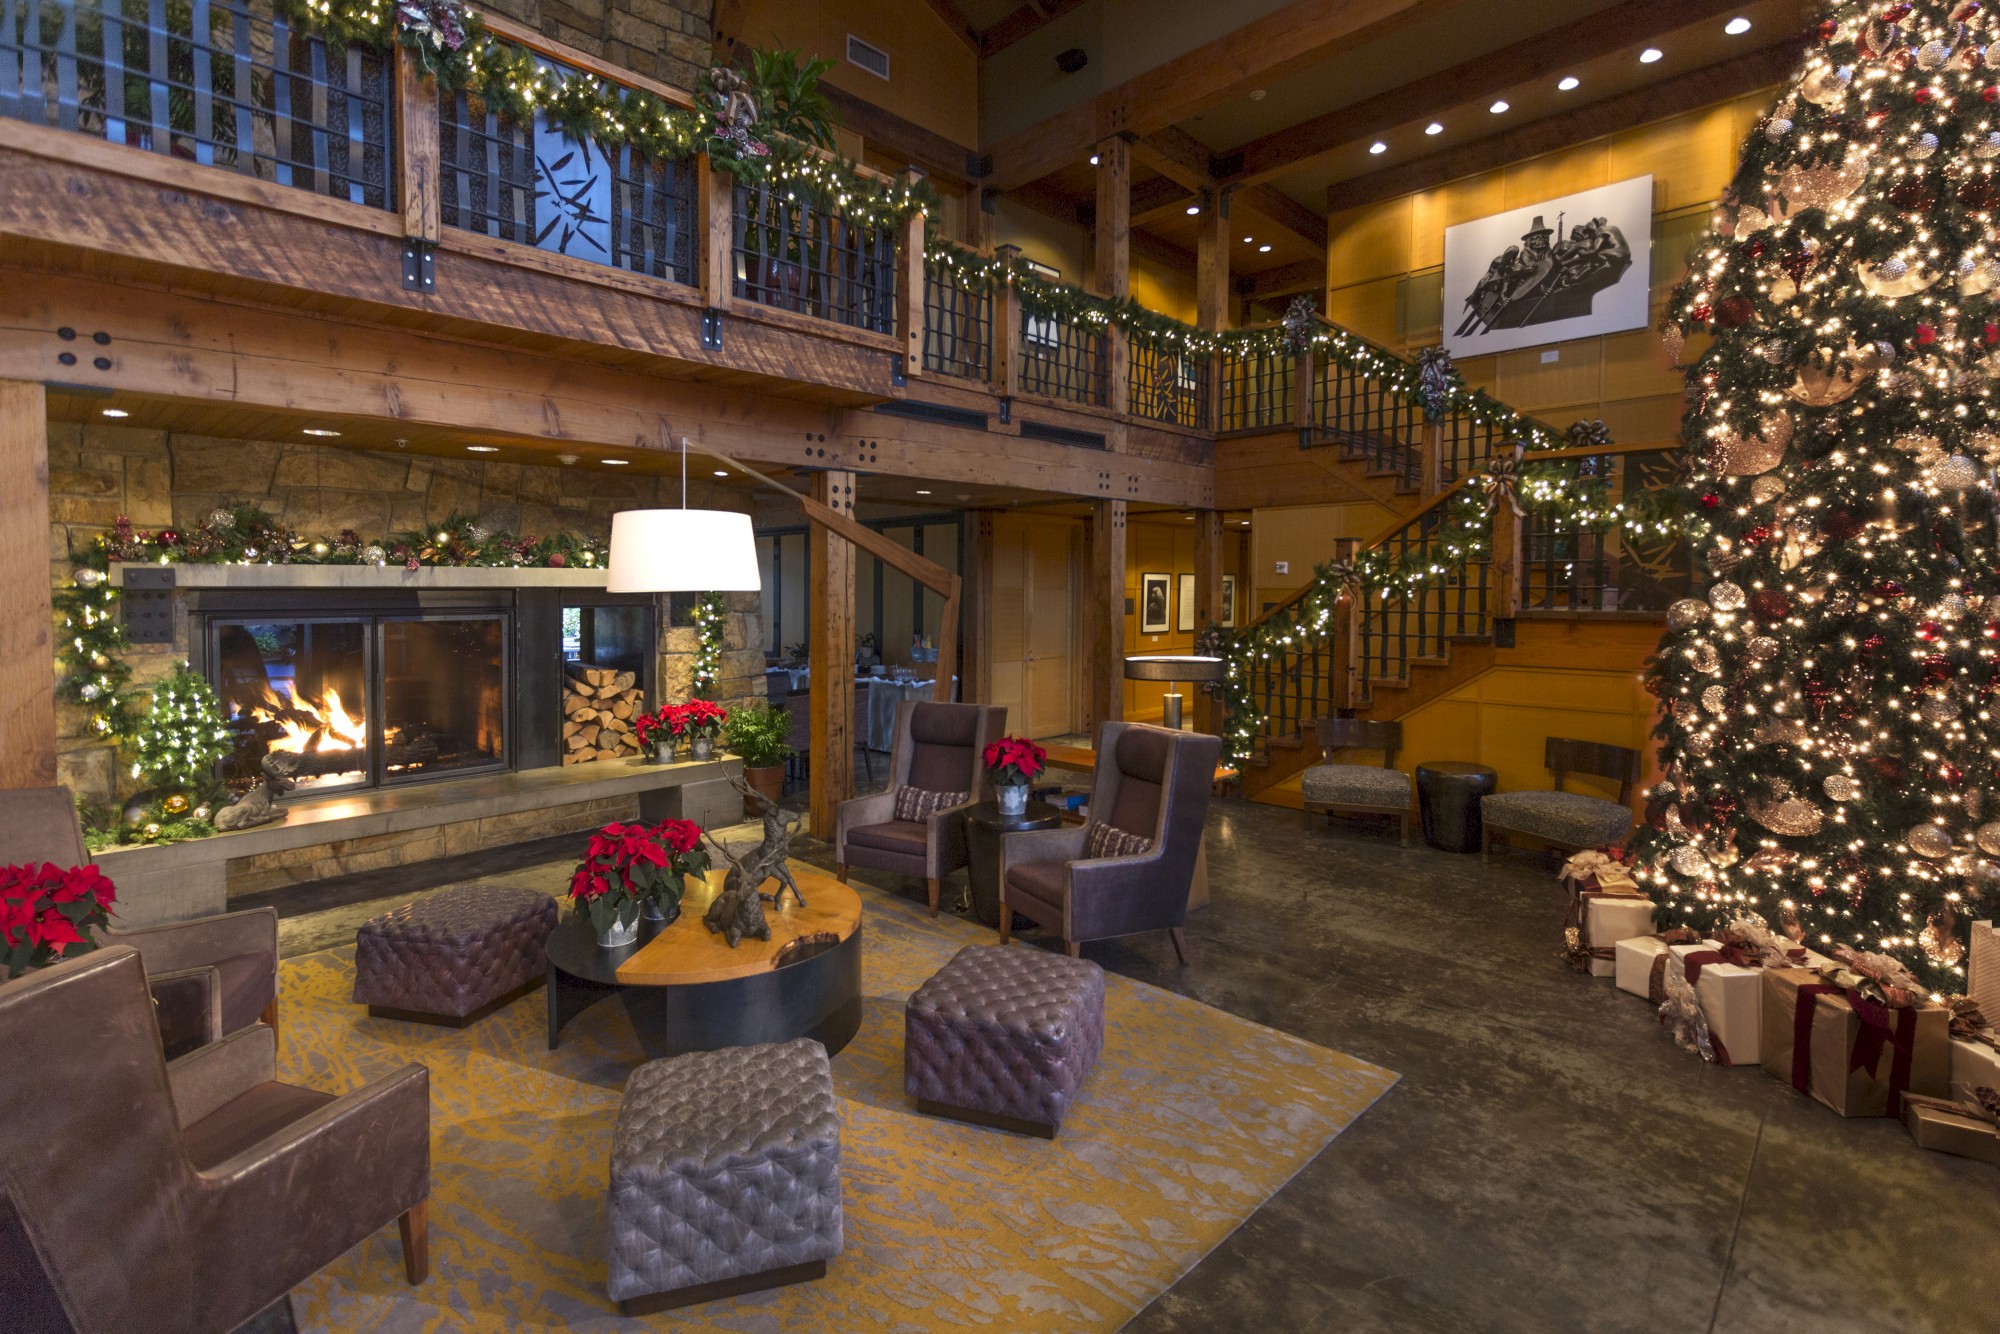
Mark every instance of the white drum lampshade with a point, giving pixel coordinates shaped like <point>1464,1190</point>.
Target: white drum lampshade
<point>683,551</point>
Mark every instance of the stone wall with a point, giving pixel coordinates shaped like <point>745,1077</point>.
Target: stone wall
<point>157,479</point>
<point>669,40</point>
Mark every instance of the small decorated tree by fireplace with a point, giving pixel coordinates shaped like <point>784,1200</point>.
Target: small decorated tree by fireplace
<point>182,739</point>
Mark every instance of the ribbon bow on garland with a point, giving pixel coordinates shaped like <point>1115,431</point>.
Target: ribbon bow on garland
<point>1438,382</point>
<point>1502,481</point>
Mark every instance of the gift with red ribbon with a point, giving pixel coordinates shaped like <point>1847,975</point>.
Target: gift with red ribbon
<point>1849,1049</point>
<point>1968,1129</point>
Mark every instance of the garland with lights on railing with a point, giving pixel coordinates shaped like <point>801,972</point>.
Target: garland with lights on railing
<point>94,673</point>
<point>462,56</point>
<point>1065,303</point>
<point>710,616</point>
<point>1464,534</point>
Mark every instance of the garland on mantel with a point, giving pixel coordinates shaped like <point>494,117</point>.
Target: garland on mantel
<point>463,56</point>
<point>710,616</point>
<point>93,672</point>
<point>1554,491</point>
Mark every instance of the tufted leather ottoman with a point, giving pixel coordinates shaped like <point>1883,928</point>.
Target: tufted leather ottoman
<point>453,957</point>
<point>1004,1036</point>
<point>725,1176</point>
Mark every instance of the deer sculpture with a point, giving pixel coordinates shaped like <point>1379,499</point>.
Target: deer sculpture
<point>738,911</point>
<point>260,804</point>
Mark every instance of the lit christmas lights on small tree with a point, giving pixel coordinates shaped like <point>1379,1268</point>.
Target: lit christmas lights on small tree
<point>182,738</point>
<point>1830,753</point>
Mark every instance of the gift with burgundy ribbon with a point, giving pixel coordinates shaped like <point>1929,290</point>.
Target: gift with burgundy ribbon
<point>1968,1128</point>
<point>1848,1041</point>
<point>1601,904</point>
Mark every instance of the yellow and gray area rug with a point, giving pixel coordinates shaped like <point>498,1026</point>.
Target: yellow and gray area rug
<point>1192,1119</point>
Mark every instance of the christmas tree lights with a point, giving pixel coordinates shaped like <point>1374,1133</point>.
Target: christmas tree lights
<point>182,738</point>
<point>1828,741</point>
<point>709,619</point>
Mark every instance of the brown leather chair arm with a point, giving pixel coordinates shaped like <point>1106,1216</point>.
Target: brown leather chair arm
<point>176,945</point>
<point>205,1079</point>
<point>265,1220</point>
<point>859,812</point>
<point>1117,896</point>
<point>188,1005</point>
<point>945,849</point>
<point>1034,846</point>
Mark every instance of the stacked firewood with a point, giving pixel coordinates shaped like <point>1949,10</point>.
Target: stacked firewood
<point>598,708</point>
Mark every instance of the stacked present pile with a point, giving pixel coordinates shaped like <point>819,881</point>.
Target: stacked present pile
<point>1855,1031</point>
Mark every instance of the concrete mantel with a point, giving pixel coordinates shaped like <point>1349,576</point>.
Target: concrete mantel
<point>193,575</point>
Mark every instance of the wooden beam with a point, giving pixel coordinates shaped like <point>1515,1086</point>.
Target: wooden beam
<point>1553,52</point>
<point>1292,37</point>
<point>1687,92</point>
<point>1178,156</point>
<point>417,165</point>
<point>1111,273</point>
<point>1273,204</point>
<point>977,622</point>
<point>910,314</point>
<point>1208,549</point>
<point>831,647</point>
<point>948,13</point>
<point>716,201</point>
<point>1211,283</point>
<point>1160,200</point>
<point>27,661</point>
<point>1307,275</point>
<point>1022,22</point>
<point>535,40</point>
<point>943,158</point>
<point>1104,632</point>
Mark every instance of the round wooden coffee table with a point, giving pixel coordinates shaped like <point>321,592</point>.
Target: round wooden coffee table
<point>689,990</point>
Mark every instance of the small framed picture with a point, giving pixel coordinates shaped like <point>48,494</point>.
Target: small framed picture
<point>1229,602</point>
<point>1184,613</point>
<point>1153,594</point>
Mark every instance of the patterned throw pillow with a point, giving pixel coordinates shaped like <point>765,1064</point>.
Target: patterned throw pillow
<point>917,805</point>
<point>1108,840</point>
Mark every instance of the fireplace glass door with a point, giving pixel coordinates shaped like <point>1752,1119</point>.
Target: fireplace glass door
<point>365,699</point>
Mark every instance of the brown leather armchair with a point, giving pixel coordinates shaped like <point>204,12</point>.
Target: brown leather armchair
<point>1151,784</point>
<point>39,824</point>
<point>938,749</point>
<point>181,1198</point>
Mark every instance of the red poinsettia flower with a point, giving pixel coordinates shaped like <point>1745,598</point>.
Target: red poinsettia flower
<point>1013,760</point>
<point>46,910</point>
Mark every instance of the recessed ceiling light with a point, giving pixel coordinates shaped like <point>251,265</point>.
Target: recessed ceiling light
<point>1737,26</point>
<point>318,430</point>
<point>614,463</point>
<point>1246,240</point>
<point>1246,523</point>
<point>1256,94</point>
<point>1433,128</point>
<point>923,493</point>
<point>1093,159</point>
<point>1264,249</point>
<point>1193,209</point>
<point>1378,147</point>
<point>1498,107</point>
<point>722,472</point>
<point>1569,82</point>
<point>1650,54</point>
<point>116,412</point>
<point>482,449</point>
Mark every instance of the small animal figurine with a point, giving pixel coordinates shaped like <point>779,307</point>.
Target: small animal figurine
<point>260,804</point>
<point>735,106</point>
<point>738,911</point>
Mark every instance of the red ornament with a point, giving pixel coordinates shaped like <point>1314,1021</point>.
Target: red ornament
<point>1887,768</point>
<point>1757,535</point>
<point>169,538</point>
<point>1993,629</point>
<point>1733,312</point>
<point>1952,774</point>
<point>1990,93</point>
<point>1910,194</point>
<point>1977,193</point>
<point>1926,335</point>
<point>1964,13</point>
<point>557,560</point>
<point>1930,632</point>
<point>1768,604</point>
<point>1989,334</point>
<point>1703,313</point>
<point>1889,588</point>
<point>1839,525</point>
<point>1925,95</point>
<point>1826,30</point>
<point>1896,13</point>
<point>1709,500</point>
<point>1754,247</point>
<point>1937,669</point>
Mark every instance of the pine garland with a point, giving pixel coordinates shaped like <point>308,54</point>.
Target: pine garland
<point>182,738</point>
<point>710,617</point>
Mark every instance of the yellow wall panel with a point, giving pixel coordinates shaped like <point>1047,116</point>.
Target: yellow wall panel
<point>1169,291</point>
<point>1528,381</point>
<point>1638,420</point>
<point>1636,366</point>
<point>1470,199</point>
<point>933,78</point>
<point>1503,718</point>
<point>1370,242</point>
<point>1303,536</point>
<point>1584,167</point>
<point>1368,308</point>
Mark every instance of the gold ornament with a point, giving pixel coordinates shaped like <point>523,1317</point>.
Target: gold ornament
<point>1766,489</point>
<point>1794,817</point>
<point>152,830</point>
<point>1841,787</point>
<point>1746,456</point>
<point>1895,277</point>
<point>1826,86</point>
<point>1690,862</point>
<point>1780,732</point>
<point>1675,342</point>
<point>1930,840</point>
<point>1939,938</point>
<point>1727,596</point>
<point>1987,836</point>
<point>175,805</point>
<point>1705,659</point>
<point>1715,699</point>
<point>1801,188</point>
<point>1687,612</point>
<point>1822,387</point>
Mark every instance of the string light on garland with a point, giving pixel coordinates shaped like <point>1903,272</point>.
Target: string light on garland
<point>710,617</point>
<point>182,739</point>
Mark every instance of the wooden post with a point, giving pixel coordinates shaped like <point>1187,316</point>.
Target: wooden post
<point>1430,459</point>
<point>417,165</point>
<point>910,285</point>
<point>1211,294</point>
<point>1006,330</point>
<point>979,219</point>
<point>1347,635</point>
<point>718,258</point>
<point>1506,564</point>
<point>832,654</point>
<point>1104,642</point>
<point>1208,546</point>
<point>1111,259</point>
<point>27,620</point>
<point>1304,371</point>
<point>977,662</point>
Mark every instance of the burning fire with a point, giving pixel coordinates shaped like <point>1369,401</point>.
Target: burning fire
<point>315,726</point>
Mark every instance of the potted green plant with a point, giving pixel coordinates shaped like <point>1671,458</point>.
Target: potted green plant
<point>760,736</point>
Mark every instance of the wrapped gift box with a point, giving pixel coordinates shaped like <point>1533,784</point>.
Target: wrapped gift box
<point>1982,970</point>
<point>1732,1000</point>
<point>1815,1040</point>
<point>1608,919</point>
<point>1632,964</point>
<point>1974,1064</point>
<point>1951,1127</point>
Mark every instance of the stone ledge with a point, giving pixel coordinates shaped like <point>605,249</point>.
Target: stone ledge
<point>168,882</point>
<point>194,575</point>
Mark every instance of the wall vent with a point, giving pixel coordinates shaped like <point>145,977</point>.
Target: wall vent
<point>867,55</point>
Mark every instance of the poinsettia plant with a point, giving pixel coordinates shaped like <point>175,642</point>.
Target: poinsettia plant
<point>48,912</point>
<point>627,864</point>
<point>703,718</point>
<point>662,724</point>
<point>1014,761</point>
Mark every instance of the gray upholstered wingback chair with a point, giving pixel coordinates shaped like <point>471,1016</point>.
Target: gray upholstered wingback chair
<point>39,824</point>
<point>937,752</point>
<point>1091,883</point>
<point>180,1198</point>
<point>1570,821</point>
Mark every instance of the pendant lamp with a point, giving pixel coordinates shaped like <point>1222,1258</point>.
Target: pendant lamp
<point>683,550</point>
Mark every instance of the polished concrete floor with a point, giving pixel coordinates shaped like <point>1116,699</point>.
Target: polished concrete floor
<point>1548,1162</point>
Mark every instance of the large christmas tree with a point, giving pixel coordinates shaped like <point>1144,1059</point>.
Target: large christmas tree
<point>1830,751</point>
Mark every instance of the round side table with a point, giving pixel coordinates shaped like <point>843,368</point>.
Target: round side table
<point>984,826</point>
<point>1448,793</point>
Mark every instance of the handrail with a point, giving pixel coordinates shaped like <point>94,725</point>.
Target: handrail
<point>522,35</point>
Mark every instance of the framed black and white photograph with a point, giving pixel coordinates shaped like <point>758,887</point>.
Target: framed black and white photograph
<point>1153,593</point>
<point>1184,617</point>
<point>1566,268</point>
<point>1229,602</point>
